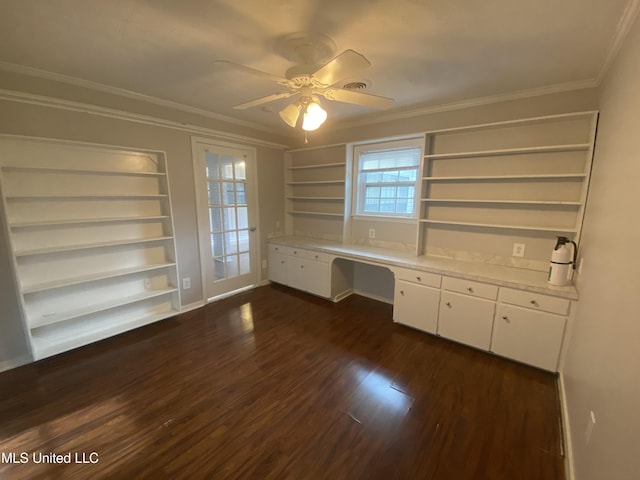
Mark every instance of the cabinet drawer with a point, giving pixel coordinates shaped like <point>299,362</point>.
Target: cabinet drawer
<point>535,301</point>
<point>278,249</point>
<point>415,276</point>
<point>469,287</point>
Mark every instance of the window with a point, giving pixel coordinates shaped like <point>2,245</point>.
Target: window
<point>387,178</point>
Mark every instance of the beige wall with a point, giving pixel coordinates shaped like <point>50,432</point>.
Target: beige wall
<point>601,372</point>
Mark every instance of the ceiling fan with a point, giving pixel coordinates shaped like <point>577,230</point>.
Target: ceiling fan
<point>309,83</point>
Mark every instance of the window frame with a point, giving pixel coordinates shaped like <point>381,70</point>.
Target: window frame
<point>358,190</point>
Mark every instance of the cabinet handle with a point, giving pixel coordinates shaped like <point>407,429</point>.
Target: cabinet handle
<point>281,261</point>
<point>402,292</point>
<point>506,319</point>
<point>419,279</point>
<point>316,257</point>
<point>448,304</point>
<point>469,289</point>
<point>295,252</point>
<point>533,302</point>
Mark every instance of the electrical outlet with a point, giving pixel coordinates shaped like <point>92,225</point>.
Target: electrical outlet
<point>518,250</point>
<point>186,283</point>
<point>147,284</point>
<point>589,430</point>
<point>372,233</point>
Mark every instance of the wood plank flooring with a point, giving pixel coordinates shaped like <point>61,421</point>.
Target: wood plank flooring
<point>277,384</point>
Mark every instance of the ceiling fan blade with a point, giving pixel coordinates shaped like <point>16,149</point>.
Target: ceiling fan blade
<point>253,71</point>
<point>261,100</point>
<point>348,64</point>
<point>358,98</point>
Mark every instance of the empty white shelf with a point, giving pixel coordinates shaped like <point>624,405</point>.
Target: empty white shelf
<point>73,248</point>
<point>87,221</point>
<point>506,177</point>
<point>318,165</point>
<point>324,214</point>
<point>79,280</point>
<point>508,202</point>
<point>508,227</point>
<point>73,171</point>
<point>318,182</point>
<point>512,151</point>
<point>99,307</point>
<point>316,198</point>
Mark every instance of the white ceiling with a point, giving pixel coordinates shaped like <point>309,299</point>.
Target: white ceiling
<point>423,52</point>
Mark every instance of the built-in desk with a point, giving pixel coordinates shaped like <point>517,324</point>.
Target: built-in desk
<point>508,311</point>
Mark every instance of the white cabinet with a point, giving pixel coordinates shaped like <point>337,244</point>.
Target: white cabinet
<point>91,234</point>
<point>466,319</point>
<point>416,306</point>
<point>277,264</point>
<point>529,335</point>
<point>301,269</point>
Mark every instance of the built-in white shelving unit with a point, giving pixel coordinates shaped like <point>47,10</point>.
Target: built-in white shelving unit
<point>315,192</point>
<point>527,175</point>
<point>91,232</point>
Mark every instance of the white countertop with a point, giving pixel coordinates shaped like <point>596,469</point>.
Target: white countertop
<point>520,278</point>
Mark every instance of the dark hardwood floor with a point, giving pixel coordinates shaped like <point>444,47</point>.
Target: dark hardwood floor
<point>277,384</point>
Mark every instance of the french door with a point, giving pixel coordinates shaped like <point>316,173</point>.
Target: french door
<point>227,216</point>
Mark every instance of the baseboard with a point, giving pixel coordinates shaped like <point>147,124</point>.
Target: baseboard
<point>342,295</point>
<point>192,306</point>
<point>15,363</point>
<point>566,430</point>
<point>264,282</point>
<point>373,296</point>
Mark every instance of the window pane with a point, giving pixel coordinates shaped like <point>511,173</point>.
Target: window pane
<point>227,168</point>
<point>240,195</point>
<point>243,220</point>
<point>228,193</point>
<point>218,269</point>
<point>245,263</point>
<point>217,244</point>
<point>240,170</point>
<point>214,193</point>
<point>232,266</point>
<point>231,242</point>
<point>215,219</point>
<point>229,218</point>
<point>213,168</point>
<point>372,192</point>
<point>243,240</point>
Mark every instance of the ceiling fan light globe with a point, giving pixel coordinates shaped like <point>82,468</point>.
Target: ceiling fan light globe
<point>314,116</point>
<point>290,114</point>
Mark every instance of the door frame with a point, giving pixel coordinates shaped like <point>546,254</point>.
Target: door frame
<point>202,210</point>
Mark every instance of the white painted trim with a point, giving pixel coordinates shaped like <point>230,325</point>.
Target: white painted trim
<point>231,293</point>
<point>101,87</point>
<point>566,429</point>
<point>476,102</point>
<point>342,295</point>
<point>50,102</point>
<point>15,363</point>
<point>372,296</point>
<point>315,147</point>
<point>622,30</point>
<point>192,306</point>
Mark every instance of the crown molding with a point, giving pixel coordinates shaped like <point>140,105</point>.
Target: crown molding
<point>63,104</point>
<point>91,85</point>
<point>476,102</point>
<point>622,31</point>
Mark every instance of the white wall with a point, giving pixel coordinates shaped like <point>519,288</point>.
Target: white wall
<point>602,368</point>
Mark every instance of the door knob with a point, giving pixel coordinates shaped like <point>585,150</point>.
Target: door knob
<point>252,229</point>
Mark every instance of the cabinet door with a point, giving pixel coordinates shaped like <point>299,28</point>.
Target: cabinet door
<point>528,336</point>
<point>416,306</point>
<point>278,268</point>
<point>466,319</point>
<point>309,275</point>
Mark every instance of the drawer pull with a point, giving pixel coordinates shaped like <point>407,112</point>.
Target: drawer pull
<point>533,302</point>
<point>316,257</point>
<point>419,279</point>
<point>281,261</point>
<point>302,266</point>
<point>506,319</point>
<point>295,252</point>
<point>402,292</point>
<point>469,289</point>
<point>448,304</point>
